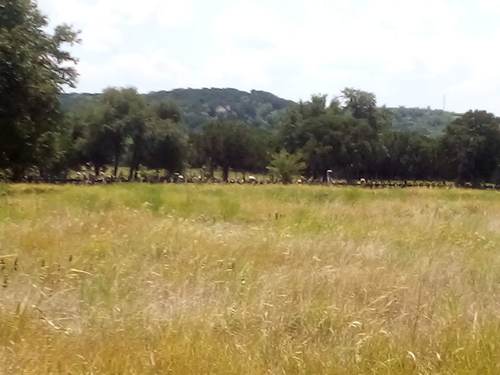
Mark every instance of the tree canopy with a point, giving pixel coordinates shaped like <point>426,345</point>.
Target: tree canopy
<point>47,134</point>
<point>34,67</point>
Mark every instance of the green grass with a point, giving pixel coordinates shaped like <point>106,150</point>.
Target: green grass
<point>196,279</point>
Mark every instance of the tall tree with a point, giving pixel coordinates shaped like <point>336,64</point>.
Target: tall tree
<point>361,104</point>
<point>332,138</point>
<point>228,145</point>
<point>34,68</point>
<point>95,144</point>
<point>166,143</point>
<point>123,113</point>
<point>470,147</point>
<point>409,155</point>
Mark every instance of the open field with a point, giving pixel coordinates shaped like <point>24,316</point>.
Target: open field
<point>140,279</point>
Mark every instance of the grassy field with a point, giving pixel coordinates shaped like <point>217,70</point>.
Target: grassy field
<point>140,279</point>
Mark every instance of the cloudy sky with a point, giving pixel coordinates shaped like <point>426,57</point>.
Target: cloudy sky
<point>411,53</point>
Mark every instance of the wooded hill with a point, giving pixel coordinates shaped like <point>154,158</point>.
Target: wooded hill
<point>255,132</point>
<point>260,108</point>
<point>431,122</point>
<point>201,105</point>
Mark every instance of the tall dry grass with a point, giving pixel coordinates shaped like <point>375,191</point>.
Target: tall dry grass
<point>139,279</point>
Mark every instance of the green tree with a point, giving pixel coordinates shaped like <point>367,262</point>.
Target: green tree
<point>409,155</point>
<point>286,166</point>
<point>34,68</point>
<point>123,114</point>
<point>361,104</point>
<point>95,145</point>
<point>166,142</point>
<point>155,139</point>
<point>470,147</point>
<point>331,138</point>
<point>227,145</point>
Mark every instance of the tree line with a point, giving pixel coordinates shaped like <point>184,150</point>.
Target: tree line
<point>351,137</point>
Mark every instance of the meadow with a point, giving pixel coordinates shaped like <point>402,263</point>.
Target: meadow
<point>206,279</point>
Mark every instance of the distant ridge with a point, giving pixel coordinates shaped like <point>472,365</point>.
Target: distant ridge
<point>431,122</point>
<point>260,108</point>
<point>201,105</point>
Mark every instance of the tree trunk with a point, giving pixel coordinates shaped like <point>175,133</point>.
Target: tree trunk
<point>210,169</point>
<point>115,171</point>
<point>17,173</point>
<point>225,173</point>
<point>134,164</point>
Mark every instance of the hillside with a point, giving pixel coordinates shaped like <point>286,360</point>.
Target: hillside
<point>261,108</point>
<point>76,101</point>
<point>427,121</point>
<point>201,105</point>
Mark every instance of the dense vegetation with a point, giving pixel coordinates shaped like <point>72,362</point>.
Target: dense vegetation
<point>199,106</point>
<point>260,108</point>
<point>427,121</point>
<point>46,134</point>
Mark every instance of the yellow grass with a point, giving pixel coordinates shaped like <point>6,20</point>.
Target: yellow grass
<point>139,279</point>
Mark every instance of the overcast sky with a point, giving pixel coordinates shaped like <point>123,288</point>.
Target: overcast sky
<point>410,53</point>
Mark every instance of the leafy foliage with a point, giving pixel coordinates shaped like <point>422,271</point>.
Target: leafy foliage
<point>332,138</point>
<point>231,145</point>
<point>471,147</point>
<point>33,69</point>
<point>426,121</point>
<point>122,128</point>
<point>199,106</point>
<point>286,166</point>
<point>215,128</point>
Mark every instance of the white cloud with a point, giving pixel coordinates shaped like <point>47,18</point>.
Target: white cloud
<point>408,53</point>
